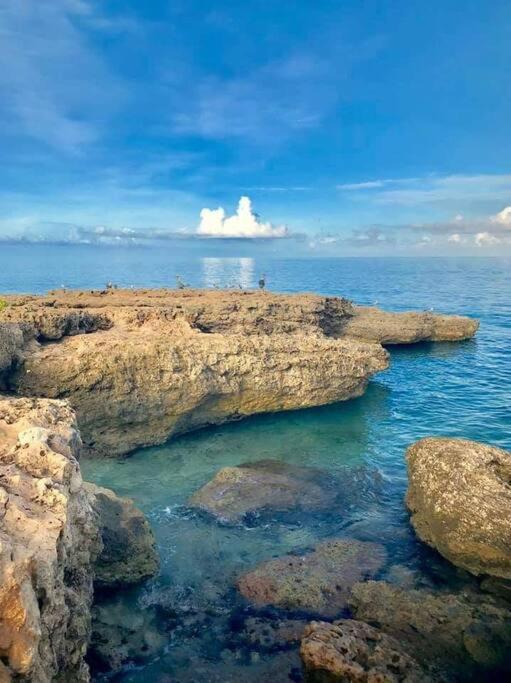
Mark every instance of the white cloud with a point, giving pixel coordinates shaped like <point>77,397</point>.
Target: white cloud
<point>367,185</point>
<point>244,223</point>
<point>456,238</point>
<point>503,217</point>
<point>483,239</point>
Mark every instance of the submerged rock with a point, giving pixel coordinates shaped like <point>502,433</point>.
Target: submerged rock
<point>271,634</point>
<point>352,651</point>
<point>463,634</point>
<point>122,634</point>
<point>319,581</point>
<point>48,543</point>
<point>129,552</point>
<point>266,484</point>
<point>459,496</point>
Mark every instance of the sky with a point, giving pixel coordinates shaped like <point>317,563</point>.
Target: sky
<point>346,127</point>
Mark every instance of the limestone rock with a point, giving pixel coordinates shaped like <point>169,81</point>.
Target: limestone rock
<point>352,651</point>
<point>48,543</point>
<point>462,634</point>
<point>459,496</point>
<point>266,484</point>
<point>161,362</point>
<point>271,634</point>
<point>129,552</point>
<point>318,581</point>
<point>373,324</point>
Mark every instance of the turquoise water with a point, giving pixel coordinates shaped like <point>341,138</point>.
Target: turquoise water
<point>443,389</point>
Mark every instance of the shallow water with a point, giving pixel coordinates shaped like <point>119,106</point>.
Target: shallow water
<point>443,389</point>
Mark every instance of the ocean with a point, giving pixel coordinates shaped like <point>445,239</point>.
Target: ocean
<point>459,390</point>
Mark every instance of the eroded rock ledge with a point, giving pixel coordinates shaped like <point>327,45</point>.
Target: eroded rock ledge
<point>141,366</point>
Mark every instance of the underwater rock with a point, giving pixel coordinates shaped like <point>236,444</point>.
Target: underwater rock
<point>159,362</point>
<point>373,324</point>
<point>319,581</point>
<point>459,496</point>
<point>262,485</point>
<point>463,634</point>
<point>129,552</point>
<point>352,651</point>
<point>48,543</point>
<point>271,634</point>
<point>123,634</point>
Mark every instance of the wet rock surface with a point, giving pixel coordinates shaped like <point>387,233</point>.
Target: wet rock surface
<point>129,552</point>
<point>318,581</point>
<point>235,492</point>
<point>463,634</point>
<point>352,651</point>
<point>459,496</point>
<point>48,543</point>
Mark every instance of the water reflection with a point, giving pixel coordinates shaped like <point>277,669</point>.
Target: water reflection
<point>228,272</point>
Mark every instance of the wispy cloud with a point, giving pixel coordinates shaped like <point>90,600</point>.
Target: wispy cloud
<point>56,89</point>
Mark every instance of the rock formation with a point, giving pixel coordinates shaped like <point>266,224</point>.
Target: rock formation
<point>140,366</point>
<point>462,634</point>
<point>318,581</point>
<point>459,496</point>
<point>129,552</point>
<point>48,543</point>
<point>267,484</point>
<point>352,651</point>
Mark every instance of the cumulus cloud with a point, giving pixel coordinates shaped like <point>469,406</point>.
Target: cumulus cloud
<point>244,223</point>
<point>483,239</point>
<point>503,217</point>
<point>455,238</point>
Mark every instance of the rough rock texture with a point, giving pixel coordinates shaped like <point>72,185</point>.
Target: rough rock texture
<point>318,581</point>
<point>129,553</point>
<point>160,362</point>
<point>48,543</point>
<point>266,484</point>
<point>372,324</point>
<point>271,634</point>
<point>352,651</point>
<point>459,496</point>
<point>463,634</point>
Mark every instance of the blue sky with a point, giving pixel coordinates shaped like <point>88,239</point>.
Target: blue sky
<point>355,127</point>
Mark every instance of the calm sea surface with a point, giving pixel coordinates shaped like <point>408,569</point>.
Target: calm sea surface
<point>190,614</point>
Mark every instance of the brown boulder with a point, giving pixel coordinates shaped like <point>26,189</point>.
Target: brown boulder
<point>319,581</point>
<point>459,496</point>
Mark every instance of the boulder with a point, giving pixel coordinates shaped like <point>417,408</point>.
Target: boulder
<point>463,634</point>
<point>129,552</point>
<point>459,496</point>
<point>48,544</point>
<point>352,651</point>
<point>318,581</point>
<point>265,485</point>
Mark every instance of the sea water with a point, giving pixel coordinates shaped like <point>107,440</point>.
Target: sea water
<point>191,614</point>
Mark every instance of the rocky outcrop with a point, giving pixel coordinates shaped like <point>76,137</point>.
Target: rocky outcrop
<point>459,496</point>
<point>352,651</point>
<point>254,487</point>
<point>48,543</point>
<point>140,366</point>
<point>373,324</point>
<point>129,552</point>
<point>318,581</point>
<point>464,635</point>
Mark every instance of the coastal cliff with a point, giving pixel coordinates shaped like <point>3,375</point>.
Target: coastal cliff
<point>141,366</point>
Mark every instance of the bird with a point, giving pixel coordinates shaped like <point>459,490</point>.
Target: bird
<point>262,281</point>
<point>180,283</point>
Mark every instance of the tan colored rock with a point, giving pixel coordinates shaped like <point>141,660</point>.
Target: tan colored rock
<point>352,651</point>
<point>373,324</point>
<point>154,363</point>
<point>264,485</point>
<point>129,552</point>
<point>48,542</point>
<point>459,496</point>
<point>464,635</point>
<point>318,581</point>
